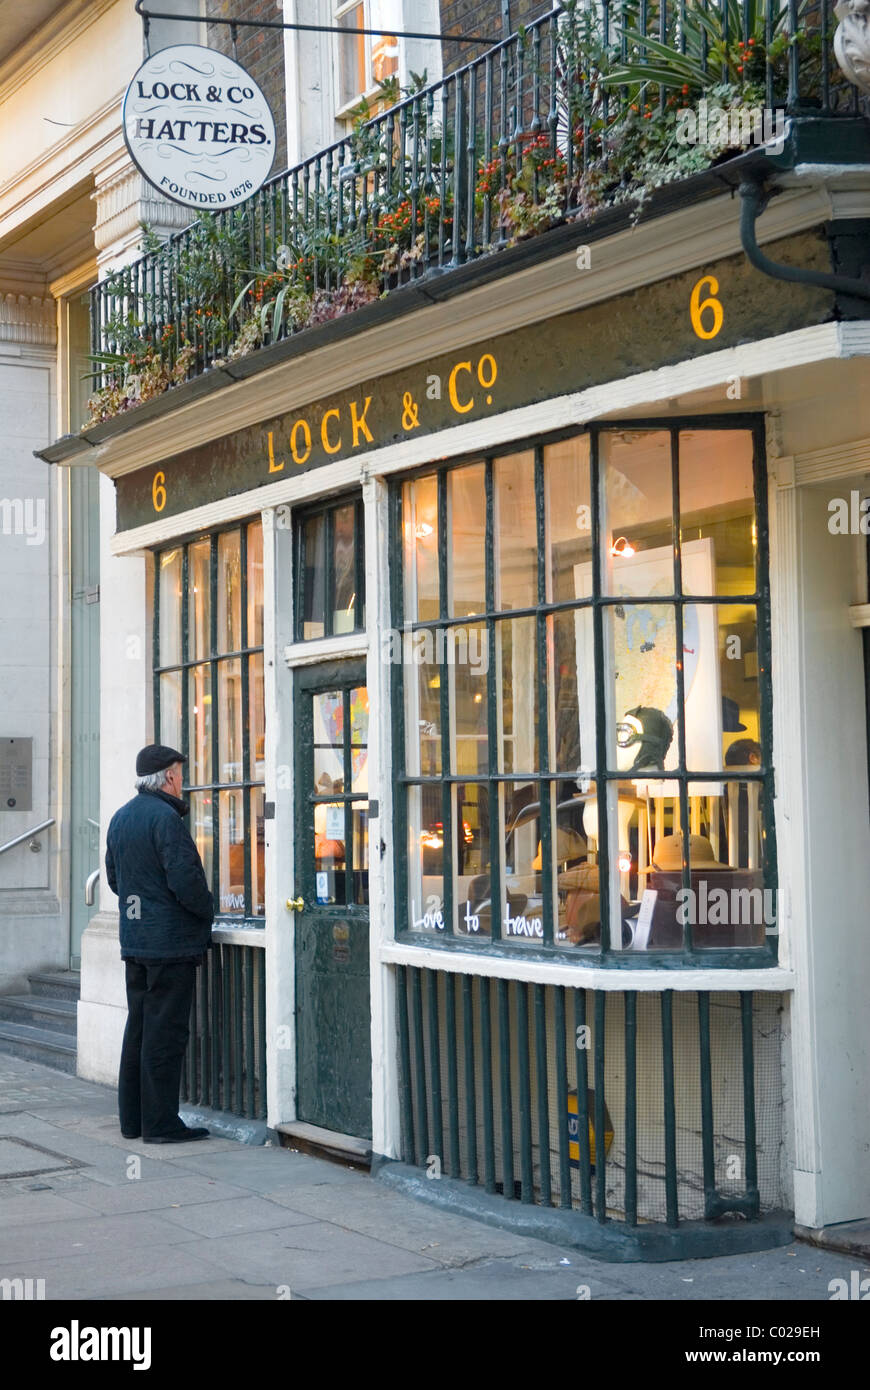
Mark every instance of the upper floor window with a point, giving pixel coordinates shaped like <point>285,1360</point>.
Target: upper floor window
<point>362,60</point>
<point>330,570</point>
<point>209,702</point>
<point>583,683</point>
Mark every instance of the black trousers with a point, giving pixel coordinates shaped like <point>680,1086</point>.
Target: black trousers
<point>159,995</point>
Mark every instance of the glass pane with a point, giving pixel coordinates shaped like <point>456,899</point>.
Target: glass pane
<point>351,56</point>
<point>466,514</point>
<point>471,885</point>
<point>515,526</point>
<point>200,826</point>
<point>169,598</point>
<point>255,584</point>
<point>360,821</point>
<point>170,709</point>
<point>717,512</point>
<point>199,600</point>
<point>720,652</point>
<point>229,592</point>
<point>569,515</point>
<point>359,739</point>
<point>199,726</point>
<point>521,908</point>
<point>725,904</point>
<point>314,578</point>
<point>258,852</point>
<point>466,669</point>
<point>230,720</point>
<point>420,531</point>
<point>231,834</point>
<point>637,524</point>
<point>422,702</point>
<point>425,860</point>
<point>328,711</point>
<point>516,687</point>
<point>572,693</point>
<point>344,615</point>
<point>257,717</point>
<point>329,853</point>
<point>640,640</point>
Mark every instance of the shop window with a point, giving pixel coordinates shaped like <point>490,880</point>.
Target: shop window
<point>584,725</point>
<point>209,702</point>
<point>362,60</point>
<point>330,571</point>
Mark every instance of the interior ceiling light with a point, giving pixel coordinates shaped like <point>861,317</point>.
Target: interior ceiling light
<point>622,546</point>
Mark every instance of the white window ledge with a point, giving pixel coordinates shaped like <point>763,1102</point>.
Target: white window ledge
<point>776,979</point>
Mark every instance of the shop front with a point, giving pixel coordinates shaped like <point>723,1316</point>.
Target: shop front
<point>489,660</point>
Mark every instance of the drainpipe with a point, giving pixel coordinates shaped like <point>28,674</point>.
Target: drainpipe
<point>754,202</point>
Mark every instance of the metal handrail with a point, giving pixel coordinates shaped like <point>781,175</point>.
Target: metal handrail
<point>19,839</point>
<point>90,884</point>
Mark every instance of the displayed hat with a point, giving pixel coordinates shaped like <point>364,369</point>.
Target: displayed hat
<point>731,716</point>
<point>650,730</point>
<point>156,757</point>
<point>668,854</point>
<point>570,844</point>
<point>743,752</point>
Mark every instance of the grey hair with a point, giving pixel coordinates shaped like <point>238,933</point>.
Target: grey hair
<point>153,782</point>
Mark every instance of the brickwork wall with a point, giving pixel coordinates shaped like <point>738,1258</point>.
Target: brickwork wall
<point>481,17</point>
<point>261,52</point>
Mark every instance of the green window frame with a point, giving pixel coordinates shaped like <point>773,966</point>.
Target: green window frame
<point>322,581</point>
<point>209,702</point>
<point>600,610</point>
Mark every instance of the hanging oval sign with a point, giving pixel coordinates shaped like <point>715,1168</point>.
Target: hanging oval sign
<point>198,127</point>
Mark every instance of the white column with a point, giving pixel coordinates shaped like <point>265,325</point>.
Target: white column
<point>123,201</point>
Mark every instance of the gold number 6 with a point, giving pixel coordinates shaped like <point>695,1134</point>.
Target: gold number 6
<point>158,492</point>
<point>698,305</point>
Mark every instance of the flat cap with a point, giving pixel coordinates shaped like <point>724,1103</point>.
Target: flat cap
<point>155,758</point>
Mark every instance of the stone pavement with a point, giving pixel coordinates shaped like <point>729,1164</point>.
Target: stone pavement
<point>100,1217</point>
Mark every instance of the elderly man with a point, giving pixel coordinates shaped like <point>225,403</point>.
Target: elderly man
<point>166,915</point>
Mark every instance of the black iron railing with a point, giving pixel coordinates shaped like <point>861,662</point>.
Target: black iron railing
<point>624,1106</point>
<point>576,112</point>
<point>225,1064</point>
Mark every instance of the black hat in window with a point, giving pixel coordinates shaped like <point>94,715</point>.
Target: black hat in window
<point>650,731</point>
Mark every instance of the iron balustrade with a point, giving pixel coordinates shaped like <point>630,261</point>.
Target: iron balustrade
<point>420,189</point>
<point>225,1063</point>
<point>626,1106</point>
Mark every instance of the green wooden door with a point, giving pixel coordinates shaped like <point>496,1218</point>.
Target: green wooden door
<point>333,1011</point>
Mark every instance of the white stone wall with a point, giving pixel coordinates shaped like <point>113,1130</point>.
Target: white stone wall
<point>32,925</point>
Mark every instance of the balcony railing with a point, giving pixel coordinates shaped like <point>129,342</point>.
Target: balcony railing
<point>578,112</point>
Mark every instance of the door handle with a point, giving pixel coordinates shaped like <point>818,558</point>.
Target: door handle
<point>295,904</point>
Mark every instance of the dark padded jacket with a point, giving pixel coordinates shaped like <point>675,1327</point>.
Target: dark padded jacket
<point>166,909</point>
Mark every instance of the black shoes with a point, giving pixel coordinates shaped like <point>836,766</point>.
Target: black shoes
<point>125,1135</point>
<point>181,1136</point>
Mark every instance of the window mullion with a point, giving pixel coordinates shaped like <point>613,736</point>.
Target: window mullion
<point>244,669</point>
<point>155,648</point>
<point>185,653</point>
<point>495,762</point>
<point>599,534</point>
<point>215,734</point>
<point>681,684</point>
<point>448,849</point>
<point>545,789</point>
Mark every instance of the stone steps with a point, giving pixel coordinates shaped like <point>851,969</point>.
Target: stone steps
<point>41,1026</point>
